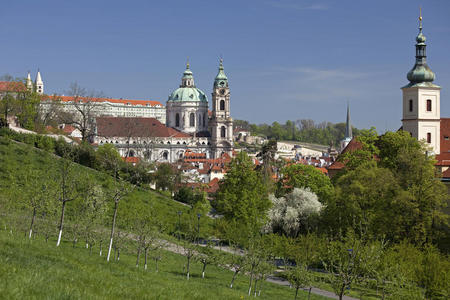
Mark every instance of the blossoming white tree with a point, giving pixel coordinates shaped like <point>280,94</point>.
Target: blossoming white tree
<point>291,212</point>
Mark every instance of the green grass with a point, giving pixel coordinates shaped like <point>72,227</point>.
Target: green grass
<point>17,160</point>
<point>37,270</point>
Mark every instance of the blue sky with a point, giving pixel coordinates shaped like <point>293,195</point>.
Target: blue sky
<point>285,59</point>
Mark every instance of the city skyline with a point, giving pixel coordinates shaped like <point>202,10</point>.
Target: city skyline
<point>285,59</point>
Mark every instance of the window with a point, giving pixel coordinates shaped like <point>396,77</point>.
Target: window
<point>192,120</point>
<point>429,138</point>
<point>410,105</point>
<point>222,104</point>
<point>177,120</point>
<point>222,131</point>
<point>165,155</point>
<point>428,105</point>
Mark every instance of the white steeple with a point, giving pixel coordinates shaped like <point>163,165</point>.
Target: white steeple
<point>39,83</point>
<point>29,82</point>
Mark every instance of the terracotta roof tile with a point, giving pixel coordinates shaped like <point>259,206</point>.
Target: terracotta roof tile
<point>12,86</point>
<point>135,127</point>
<point>122,101</point>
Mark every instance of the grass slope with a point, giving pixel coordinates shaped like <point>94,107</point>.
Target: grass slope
<point>37,270</point>
<point>17,159</point>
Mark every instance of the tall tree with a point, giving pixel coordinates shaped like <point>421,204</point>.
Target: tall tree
<point>242,194</point>
<point>67,187</point>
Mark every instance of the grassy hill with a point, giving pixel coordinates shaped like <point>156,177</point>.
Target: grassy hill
<point>17,160</point>
<point>36,269</point>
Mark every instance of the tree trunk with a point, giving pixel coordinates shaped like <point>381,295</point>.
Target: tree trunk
<point>61,223</point>
<point>309,292</point>
<point>112,229</point>
<point>250,284</point>
<point>255,286</point>
<point>145,258</point>
<point>203,270</point>
<point>234,277</point>
<point>296,293</point>
<point>32,222</point>
<point>118,254</point>
<point>74,242</point>
<point>100,248</point>
<point>187,268</point>
<point>138,256</point>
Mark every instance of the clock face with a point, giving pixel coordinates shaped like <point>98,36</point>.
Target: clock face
<point>222,91</point>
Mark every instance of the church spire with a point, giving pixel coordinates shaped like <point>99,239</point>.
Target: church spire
<point>29,82</point>
<point>221,79</point>
<point>348,125</point>
<point>39,83</point>
<point>421,73</point>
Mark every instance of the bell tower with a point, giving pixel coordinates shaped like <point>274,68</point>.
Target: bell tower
<point>421,99</point>
<point>221,125</point>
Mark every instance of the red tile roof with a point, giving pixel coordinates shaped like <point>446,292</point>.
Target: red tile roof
<point>12,86</point>
<point>122,101</point>
<point>135,127</point>
<point>134,160</point>
<point>446,174</point>
<point>353,145</point>
<point>213,186</point>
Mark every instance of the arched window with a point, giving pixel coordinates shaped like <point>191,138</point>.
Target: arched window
<point>410,105</point>
<point>192,120</point>
<point>165,155</point>
<point>222,131</point>
<point>131,153</point>
<point>429,137</point>
<point>428,105</point>
<point>222,104</point>
<point>177,120</point>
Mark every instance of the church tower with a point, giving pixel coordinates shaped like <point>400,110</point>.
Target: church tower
<point>421,99</point>
<point>221,125</point>
<point>39,83</point>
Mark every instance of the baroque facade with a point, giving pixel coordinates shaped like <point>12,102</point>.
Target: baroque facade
<point>189,125</point>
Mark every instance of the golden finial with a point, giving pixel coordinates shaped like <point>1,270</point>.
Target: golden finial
<point>187,63</point>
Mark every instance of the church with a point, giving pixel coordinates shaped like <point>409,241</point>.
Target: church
<point>421,115</point>
<point>421,108</point>
<point>189,125</point>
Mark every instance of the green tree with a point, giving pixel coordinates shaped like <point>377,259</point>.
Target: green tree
<point>242,194</point>
<point>108,158</point>
<point>305,176</point>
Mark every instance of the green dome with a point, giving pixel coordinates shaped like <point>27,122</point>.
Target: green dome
<point>188,94</point>
<point>421,38</point>
<point>420,73</point>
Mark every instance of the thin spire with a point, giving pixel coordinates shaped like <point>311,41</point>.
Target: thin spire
<point>348,126</point>
<point>420,19</point>
<point>187,63</point>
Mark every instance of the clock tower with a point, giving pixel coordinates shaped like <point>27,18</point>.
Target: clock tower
<point>221,124</point>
